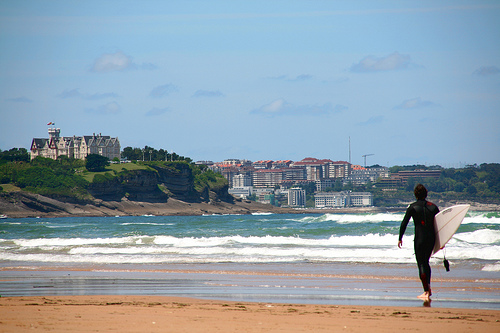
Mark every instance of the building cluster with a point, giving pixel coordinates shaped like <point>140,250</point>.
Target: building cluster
<point>78,147</point>
<point>282,182</point>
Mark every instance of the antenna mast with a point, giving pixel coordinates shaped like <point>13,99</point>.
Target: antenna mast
<point>349,150</point>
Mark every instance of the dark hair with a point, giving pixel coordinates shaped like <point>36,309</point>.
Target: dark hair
<point>420,192</point>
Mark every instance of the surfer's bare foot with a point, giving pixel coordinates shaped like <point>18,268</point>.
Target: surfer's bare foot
<point>426,295</point>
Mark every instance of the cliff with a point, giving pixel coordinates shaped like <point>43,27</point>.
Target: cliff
<point>139,185</point>
<point>159,190</point>
<point>155,185</point>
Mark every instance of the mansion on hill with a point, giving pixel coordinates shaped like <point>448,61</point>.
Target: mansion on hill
<point>77,147</point>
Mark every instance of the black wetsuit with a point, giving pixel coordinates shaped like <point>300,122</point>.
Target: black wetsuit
<point>423,213</point>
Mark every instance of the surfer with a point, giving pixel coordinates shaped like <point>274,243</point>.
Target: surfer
<point>422,212</point>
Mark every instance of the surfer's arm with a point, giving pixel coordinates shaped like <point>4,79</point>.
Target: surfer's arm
<point>404,224</point>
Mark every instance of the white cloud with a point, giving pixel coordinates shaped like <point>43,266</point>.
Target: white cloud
<point>117,62</point>
<point>163,90</point>
<point>414,103</point>
<point>394,61</point>
<point>280,107</point>
<point>111,62</point>
<point>487,70</point>
<point>208,93</point>
<point>97,96</point>
<point>303,77</point>
<point>75,93</point>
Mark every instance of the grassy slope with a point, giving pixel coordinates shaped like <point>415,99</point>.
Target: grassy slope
<point>114,168</point>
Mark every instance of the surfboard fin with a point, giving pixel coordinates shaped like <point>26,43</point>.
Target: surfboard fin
<point>446,264</point>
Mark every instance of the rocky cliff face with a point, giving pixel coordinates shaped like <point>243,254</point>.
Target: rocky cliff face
<point>139,185</point>
<point>178,181</point>
<point>155,186</point>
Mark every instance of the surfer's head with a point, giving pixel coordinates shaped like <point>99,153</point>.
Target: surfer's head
<point>420,192</point>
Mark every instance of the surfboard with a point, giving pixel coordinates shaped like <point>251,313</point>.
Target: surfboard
<point>446,223</point>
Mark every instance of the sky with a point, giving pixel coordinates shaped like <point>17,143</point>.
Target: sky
<point>404,82</point>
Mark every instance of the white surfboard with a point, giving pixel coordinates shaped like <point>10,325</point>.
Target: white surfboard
<point>446,223</point>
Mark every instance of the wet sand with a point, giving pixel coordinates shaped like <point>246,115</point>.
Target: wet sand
<point>327,284</point>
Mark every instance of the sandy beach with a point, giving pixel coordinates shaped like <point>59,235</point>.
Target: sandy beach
<point>178,314</point>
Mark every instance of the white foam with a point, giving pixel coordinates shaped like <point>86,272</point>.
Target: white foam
<point>491,267</point>
<point>482,218</point>
<point>37,242</point>
<point>360,218</point>
<point>482,236</point>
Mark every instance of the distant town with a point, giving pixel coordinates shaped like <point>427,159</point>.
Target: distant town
<point>283,182</point>
<point>280,183</point>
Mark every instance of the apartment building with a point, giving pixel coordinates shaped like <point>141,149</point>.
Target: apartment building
<point>315,168</point>
<point>339,169</point>
<point>242,180</point>
<point>296,197</point>
<point>295,174</point>
<point>267,164</point>
<point>359,199</point>
<point>343,199</point>
<point>401,178</point>
<point>323,184</point>
<point>360,175</point>
<point>241,192</point>
<point>267,177</point>
<point>329,200</point>
<point>281,164</point>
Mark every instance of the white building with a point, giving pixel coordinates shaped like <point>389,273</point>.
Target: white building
<point>296,197</point>
<point>329,200</point>
<point>359,199</point>
<point>241,192</point>
<point>343,199</point>
<point>362,176</point>
<point>242,179</point>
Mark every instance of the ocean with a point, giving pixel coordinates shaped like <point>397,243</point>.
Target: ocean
<point>319,258</point>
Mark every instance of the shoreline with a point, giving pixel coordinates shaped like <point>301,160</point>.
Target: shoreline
<point>28,205</point>
<point>180,314</point>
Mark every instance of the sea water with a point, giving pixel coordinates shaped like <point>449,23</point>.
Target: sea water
<point>263,238</point>
<point>261,244</point>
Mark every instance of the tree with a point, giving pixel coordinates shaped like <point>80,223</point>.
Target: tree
<point>132,154</point>
<point>14,155</point>
<point>471,189</point>
<point>96,163</point>
<point>459,187</point>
